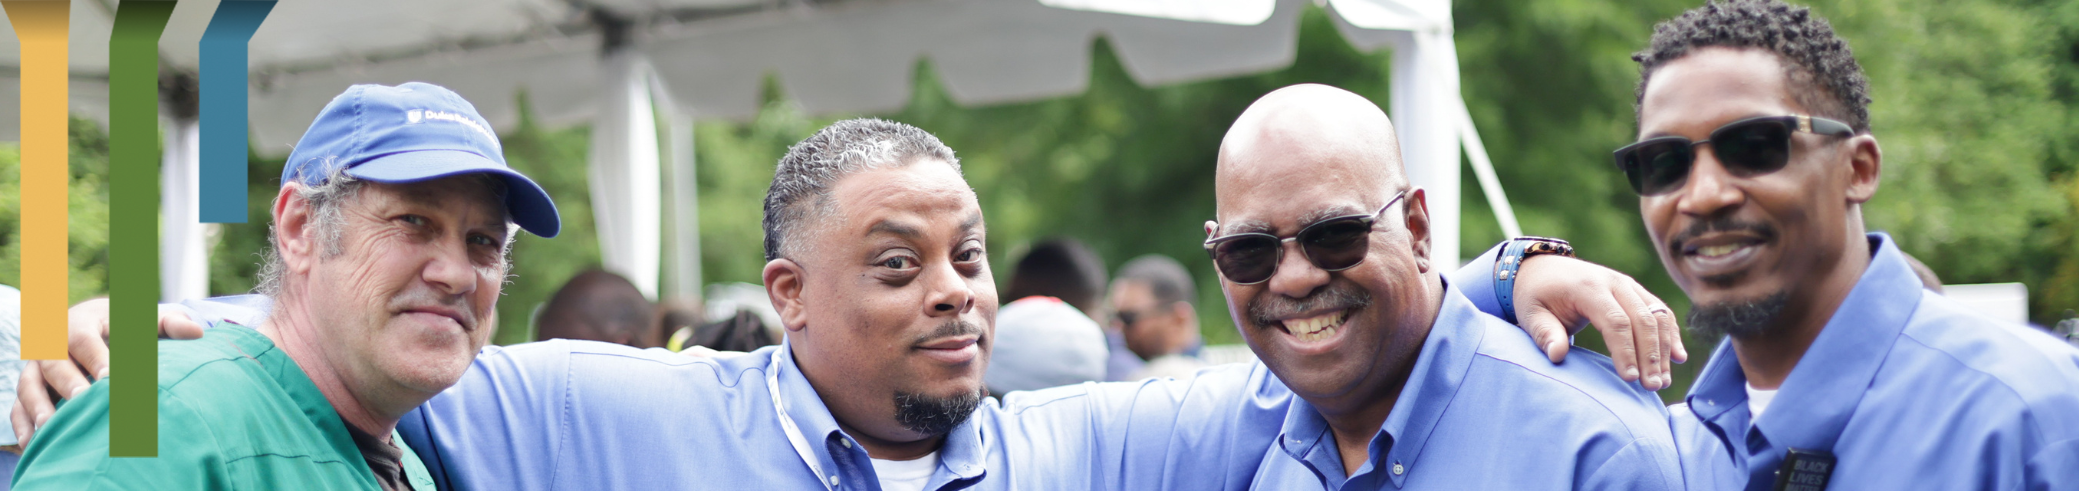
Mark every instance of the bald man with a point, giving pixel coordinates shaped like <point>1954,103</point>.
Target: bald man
<point>1400,380</point>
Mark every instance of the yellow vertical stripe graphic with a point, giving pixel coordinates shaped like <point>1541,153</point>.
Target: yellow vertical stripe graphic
<point>41,25</point>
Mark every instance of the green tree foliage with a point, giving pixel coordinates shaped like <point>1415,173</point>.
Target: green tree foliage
<point>10,214</point>
<point>87,209</point>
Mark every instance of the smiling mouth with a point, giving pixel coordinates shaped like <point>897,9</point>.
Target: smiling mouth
<point>1716,251</point>
<point>1315,328</point>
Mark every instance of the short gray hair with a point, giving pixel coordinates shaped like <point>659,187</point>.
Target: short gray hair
<point>327,202</point>
<point>810,168</point>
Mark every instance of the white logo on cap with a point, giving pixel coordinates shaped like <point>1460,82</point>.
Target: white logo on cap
<point>416,116</point>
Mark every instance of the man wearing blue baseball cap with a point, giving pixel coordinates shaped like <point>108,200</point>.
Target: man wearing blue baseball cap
<point>389,246</point>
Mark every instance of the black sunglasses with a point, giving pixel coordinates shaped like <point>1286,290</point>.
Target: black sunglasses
<point>1748,147</point>
<point>1332,244</point>
<point>1127,318</point>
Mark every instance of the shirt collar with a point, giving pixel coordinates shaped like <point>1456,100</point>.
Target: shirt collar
<point>962,454</point>
<point>1440,368</point>
<point>1822,391</point>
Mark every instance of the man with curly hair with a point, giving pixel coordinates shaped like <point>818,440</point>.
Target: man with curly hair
<point>1754,159</point>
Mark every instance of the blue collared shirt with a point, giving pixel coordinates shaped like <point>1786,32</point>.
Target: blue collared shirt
<point>585,415</point>
<point>1907,389</point>
<point>1484,409</point>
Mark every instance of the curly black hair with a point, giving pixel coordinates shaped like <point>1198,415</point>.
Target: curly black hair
<point>1824,76</point>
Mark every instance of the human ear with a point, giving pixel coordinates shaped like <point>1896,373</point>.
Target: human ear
<point>294,239</point>
<point>1416,217</point>
<point>1866,165</point>
<point>783,282</point>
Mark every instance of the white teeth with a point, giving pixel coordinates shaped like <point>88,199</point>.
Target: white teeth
<point>1315,328</point>
<point>1717,250</point>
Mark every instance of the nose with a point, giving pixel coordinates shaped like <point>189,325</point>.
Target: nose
<point>1710,188</point>
<point>948,291</point>
<point>449,270</point>
<point>1296,276</point>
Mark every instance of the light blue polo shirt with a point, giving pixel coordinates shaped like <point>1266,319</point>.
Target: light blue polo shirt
<point>1908,390</point>
<point>1485,409</point>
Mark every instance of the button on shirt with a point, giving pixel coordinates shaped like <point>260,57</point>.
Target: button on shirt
<point>1907,389</point>
<point>566,414</point>
<point>1485,409</point>
<point>234,413</point>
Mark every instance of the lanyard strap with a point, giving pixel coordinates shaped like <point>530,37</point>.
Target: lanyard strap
<point>801,446</point>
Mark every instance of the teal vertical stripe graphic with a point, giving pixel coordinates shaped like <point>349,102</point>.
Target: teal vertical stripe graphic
<point>223,113</point>
<point>133,226</point>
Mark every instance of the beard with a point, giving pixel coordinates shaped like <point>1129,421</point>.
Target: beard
<point>1742,319</point>
<point>935,416</point>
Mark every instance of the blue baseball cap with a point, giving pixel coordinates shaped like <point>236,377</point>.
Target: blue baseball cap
<point>409,133</point>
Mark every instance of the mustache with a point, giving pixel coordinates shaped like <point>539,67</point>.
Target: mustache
<point>420,298</point>
<point>1337,295</point>
<point>1720,224</point>
<point>950,328</point>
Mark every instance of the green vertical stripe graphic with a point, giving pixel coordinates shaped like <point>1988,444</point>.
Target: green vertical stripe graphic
<point>133,228</point>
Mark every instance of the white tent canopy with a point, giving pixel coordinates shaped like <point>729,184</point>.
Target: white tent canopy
<point>611,62</point>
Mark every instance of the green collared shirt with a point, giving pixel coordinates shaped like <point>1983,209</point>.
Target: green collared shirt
<point>234,413</point>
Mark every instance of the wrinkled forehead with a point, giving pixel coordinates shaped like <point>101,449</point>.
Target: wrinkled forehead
<point>480,197</point>
<point>1278,190</point>
<point>925,198</point>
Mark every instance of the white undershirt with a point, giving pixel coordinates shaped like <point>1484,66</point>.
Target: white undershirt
<point>905,475</point>
<point>1758,399</point>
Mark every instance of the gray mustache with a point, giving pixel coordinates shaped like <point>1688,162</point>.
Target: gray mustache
<point>420,297</point>
<point>1270,307</point>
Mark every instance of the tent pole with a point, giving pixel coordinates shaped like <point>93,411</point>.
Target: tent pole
<point>1424,86</point>
<point>184,248</point>
<point>624,172</point>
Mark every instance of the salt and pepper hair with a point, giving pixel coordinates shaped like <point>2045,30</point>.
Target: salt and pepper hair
<point>1824,76</point>
<point>327,203</point>
<point>801,185</point>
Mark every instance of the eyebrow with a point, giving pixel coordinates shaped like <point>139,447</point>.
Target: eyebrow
<point>1263,227</point>
<point>972,221</point>
<point>897,229</point>
<point>431,199</point>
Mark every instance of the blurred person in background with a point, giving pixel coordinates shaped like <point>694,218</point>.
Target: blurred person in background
<point>597,305</point>
<point>1153,308</point>
<point>1064,268</point>
<point>1044,342</point>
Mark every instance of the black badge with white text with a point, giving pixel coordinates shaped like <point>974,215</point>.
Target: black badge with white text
<point>1805,470</point>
